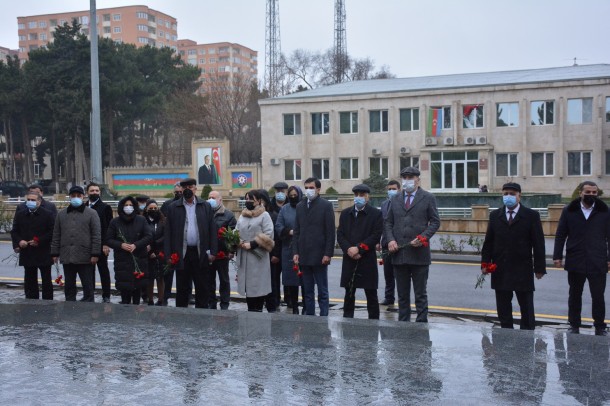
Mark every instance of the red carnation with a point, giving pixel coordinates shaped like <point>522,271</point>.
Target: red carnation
<point>491,268</point>
<point>161,255</point>
<point>174,259</point>
<point>221,255</point>
<point>36,239</point>
<point>295,267</point>
<point>363,246</point>
<point>381,262</point>
<point>299,273</point>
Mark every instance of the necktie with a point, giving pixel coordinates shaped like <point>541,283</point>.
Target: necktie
<point>510,217</point>
<point>408,202</point>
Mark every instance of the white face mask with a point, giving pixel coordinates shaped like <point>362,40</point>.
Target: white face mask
<point>310,193</point>
<point>408,185</point>
<point>128,210</point>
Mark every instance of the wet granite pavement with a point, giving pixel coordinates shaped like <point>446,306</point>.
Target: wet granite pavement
<point>105,354</point>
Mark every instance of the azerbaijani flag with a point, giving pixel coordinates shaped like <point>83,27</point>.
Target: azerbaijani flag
<point>435,122</point>
<point>216,163</point>
<point>147,181</point>
<point>242,179</point>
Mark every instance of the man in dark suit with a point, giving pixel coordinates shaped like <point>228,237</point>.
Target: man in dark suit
<point>313,245</point>
<point>585,224</point>
<point>207,173</point>
<point>105,213</point>
<point>411,214</point>
<point>190,232</point>
<point>514,242</point>
<point>393,187</point>
<point>360,228</point>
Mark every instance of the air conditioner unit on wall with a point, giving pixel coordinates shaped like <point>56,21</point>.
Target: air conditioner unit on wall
<point>481,140</point>
<point>405,150</point>
<point>376,151</point>
<point>448,141</point>
<point>275,161</point>
<point>431,141</point>
<point>469,140</point>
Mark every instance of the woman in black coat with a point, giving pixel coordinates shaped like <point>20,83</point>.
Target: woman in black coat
<point>156,221</point>
<point>128,235</point>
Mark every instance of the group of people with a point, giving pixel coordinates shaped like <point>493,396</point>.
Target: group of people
<point>290,239</point>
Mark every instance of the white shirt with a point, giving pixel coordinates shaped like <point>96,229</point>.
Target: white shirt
<point>514,210</point>
<point>585,211</point>
<point>192,232</point>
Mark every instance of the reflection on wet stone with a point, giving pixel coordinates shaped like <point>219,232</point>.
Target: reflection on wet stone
<point>75,353</point>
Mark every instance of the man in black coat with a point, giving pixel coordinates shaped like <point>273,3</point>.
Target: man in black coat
<point>514,242</point>
<point>360,228</point>
<point>393,188</point>
<point>313,245</point>
<point>585,224</point>
<point>190,232</point>
<point>277,202</point>
<point>223,217</point>
<point>177,196</point>
<point>105,213</point>
<point>31,235</point>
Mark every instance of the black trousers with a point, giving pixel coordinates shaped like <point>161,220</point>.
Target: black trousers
<point>104,271</point>
<point>194,273</point>
<point>30,282</point>
<point>255,304</point>
<point>130,296</point>
<point>419,274</point>
<point>505,309</point>
<point>85,273</point>
<point>372,303</point>
<point>390,282</point>
<point>169,282</point>
<point>220,267</point>
<point>273,299</point>
<point>597,287</point>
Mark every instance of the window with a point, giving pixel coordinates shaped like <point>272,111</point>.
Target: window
<point>378,165</point>
<point>192,61</point>
<point>406,161</point>
<point>579,163</point>
<point>152,30</point>
<point>212,51</point>
<point>33,36</point>
<point>580,111</point>
<point>62,22</point>
<point>202,51</point>
<point>168,24</point>
<point>456,170</point>
<point>507,114</point>
<point>320,123</point>
<point>221,69</point>
<point>607,109</point>
<point>32,24</point>
<point>439,118</point>
<point>84,20</point>
<point>212,60</point>
<point>320,168</point>
<point>349,168</point>
<point>292,169</point>
<point>36,170</point>
<point>43,36</point>
<point>161,34</point>
<point>142,27</point>
<point>106,30</point>
<point>202,61</point>
<point>116,17</point>
<point>542,164</point>
<point>348,122</point>
<point>409,119</point>
<point>292,124</point>
<point>105,17</point>
<point>192,52</point>
<point>160,21</point>
<point>506,165</point>
<point>472,116</point>
<point>21,26</point>
<point>116,30</point>
<point>143,40</point>
<point>223,50</point>
<point>211,70</point>
<point>378,121</point>
<point>43,24</point>
<point>141,14</point>
<point>542,112</point>
<point>152,18</point>
<point>22,38</point>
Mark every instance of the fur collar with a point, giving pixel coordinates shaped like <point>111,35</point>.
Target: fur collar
<point>599,205</point>
<point>258,210</point>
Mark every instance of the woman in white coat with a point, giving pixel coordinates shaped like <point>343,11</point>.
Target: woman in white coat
<point>256,233</point>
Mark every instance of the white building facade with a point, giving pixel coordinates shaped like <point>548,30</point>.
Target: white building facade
<point>547,129</point>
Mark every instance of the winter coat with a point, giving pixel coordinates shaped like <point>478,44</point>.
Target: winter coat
<point>131,229</point>
<point>285,223</point>
<point>105,212</point>
<point>77,235</point>
<point>254,273</point>
<point>517,249</point>
<point>156,264</point>
<point>365,228</point>
<point>314,231</point>
<point>175,232</point>
<point>26,226</point>
<point>404,225</point>
<point>587,247</point>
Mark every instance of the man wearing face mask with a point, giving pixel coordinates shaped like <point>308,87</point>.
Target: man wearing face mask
<point>45,204</point>
<point>411,214</point>
<point>585,224</point>
<point>105,214</point>
<point>360,228</point>
<point>31,235</point>
<point>190,232</point>
<point>393,187</point>
<point>313,245</point>
<point>222,218</point>
<point>514,242</point>
<point>77,243</point>
<point>177,196</point>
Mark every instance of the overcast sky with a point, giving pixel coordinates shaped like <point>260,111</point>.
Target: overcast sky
<point>414,38</point>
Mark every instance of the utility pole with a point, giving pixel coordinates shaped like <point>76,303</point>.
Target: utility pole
<point>273,49</point>
<point>340,48</point>
<point>96,130</point>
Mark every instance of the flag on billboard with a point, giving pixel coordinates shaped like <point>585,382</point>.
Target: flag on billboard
<point>242,179</point>
<point>216,163</point>
<point>435,122</point>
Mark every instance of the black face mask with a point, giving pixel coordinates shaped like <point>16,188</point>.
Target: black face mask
<point>187,194</point>
<point>154,214</point>
<point>177,195</point>
<point>588,200</point>
<point>93,198</point>
<point>293,200</point>
<point>250,205</point>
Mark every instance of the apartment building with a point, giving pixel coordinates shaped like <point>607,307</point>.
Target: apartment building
<point>5,52</point>
<point>219,60</point>
<point>547,129</point>
<point>139,25</point>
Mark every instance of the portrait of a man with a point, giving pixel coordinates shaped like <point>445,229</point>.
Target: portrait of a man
<point>209,166</point>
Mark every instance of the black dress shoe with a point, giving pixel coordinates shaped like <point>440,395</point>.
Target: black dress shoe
<point>105,300</point>
<point>601,332</point>
<point>574,330</point>
<point>386,302</point>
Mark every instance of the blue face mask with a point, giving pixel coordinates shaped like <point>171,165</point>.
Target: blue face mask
<point>30,204</point>
<point>509,201</point>
<point>280,196</point>
<point>142,207</point>
<point>76,201</point>
<point>392,193</point>
<point>359,201</point>
<point>213,203</point>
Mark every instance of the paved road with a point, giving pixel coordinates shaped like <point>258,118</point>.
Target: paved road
<point>450,288</point>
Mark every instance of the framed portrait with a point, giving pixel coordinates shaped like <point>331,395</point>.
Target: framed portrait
<point>209,166</point>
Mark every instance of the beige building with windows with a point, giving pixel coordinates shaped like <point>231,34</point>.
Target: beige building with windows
<point>137,25</point>
<point>547,129</point>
